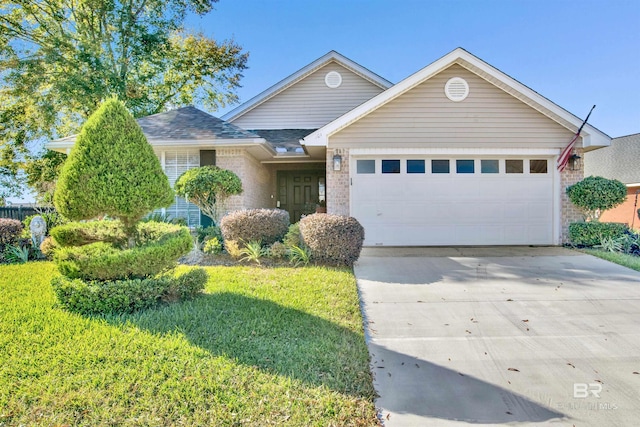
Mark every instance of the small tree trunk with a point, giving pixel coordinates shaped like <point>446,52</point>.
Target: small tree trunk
<point>130,231</point>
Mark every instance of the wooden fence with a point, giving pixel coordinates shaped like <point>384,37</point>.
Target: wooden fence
<point>17,212</point>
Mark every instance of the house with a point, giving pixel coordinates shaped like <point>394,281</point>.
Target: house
<point>619,161</point>
<point>458,153</point>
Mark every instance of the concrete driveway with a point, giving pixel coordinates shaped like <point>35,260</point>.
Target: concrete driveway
<point>501,336</point>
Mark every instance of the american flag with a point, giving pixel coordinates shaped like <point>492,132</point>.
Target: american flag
<point>563,158</point>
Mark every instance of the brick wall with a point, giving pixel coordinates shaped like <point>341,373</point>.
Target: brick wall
<point>338,183</point>
<point>569,213</point>
<point>255,177</point>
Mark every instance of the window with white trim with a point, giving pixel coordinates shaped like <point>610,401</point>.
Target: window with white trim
<point>176,162</point>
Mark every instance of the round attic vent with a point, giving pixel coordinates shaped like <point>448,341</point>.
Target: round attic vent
<point>333,79</point>
<point>456,89</point>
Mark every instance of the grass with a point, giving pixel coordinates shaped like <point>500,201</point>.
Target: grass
<point>261,347</point>
<point>630,261</point>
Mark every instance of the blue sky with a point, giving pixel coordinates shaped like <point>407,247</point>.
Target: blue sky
<point>576,53</point>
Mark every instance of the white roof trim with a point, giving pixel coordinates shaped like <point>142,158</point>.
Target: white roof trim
<point>180,143</point>
<point>302,73</point>
<point>591,137</point>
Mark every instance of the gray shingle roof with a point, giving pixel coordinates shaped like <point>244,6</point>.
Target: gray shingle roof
<point>189,123</point>
<point>288,139</point>
<point>621,160</point>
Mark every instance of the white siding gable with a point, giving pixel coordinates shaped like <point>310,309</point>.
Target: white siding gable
<point>424,116</point>
<point>310,103</point>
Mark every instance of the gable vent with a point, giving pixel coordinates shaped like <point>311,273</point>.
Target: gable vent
<point>333,79</point>
<point>456,89</point>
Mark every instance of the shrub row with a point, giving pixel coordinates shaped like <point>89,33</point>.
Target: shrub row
<point>103,261</point>
<point>332,239</point>
<point>123,296</point>
<point>264,225</point>
<point>592,233</point>
<point>326,239</point>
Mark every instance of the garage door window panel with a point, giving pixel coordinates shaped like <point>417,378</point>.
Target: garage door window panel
<point>465,166</point>
<point>514,166</point>
<point>366,166</point>
<point>391,166</point>
<point>538,166</point>
<point>439,166</point>
<point>489,166</point>
<point>415,166</point>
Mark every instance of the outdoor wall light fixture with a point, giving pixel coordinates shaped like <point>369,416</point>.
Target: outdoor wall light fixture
<point>337,162</point>
<point>574,162</point>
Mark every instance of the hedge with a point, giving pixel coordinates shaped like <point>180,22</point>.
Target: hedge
<point>265,225</point>
<point>109,231</point>
<point>103,261</point>
<point>332,239</point>
<point>124,296</point>
<point>591,233</point>
<point>84,233</point>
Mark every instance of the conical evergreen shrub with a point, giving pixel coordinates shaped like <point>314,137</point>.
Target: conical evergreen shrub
<point>112,170</point>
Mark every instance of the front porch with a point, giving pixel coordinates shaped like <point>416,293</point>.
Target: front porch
<point>296,185</point>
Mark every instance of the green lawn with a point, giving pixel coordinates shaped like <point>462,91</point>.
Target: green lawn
<point>626,260</point>
<point>262,347</point>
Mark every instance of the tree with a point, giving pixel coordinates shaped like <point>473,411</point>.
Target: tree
<point>42,173</point>
<point>60,58</point>
<point>208,187</point>
<point>112,171</point>
<point>595,194</point>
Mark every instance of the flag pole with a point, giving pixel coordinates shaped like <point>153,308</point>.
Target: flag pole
<point>563,158</point>
<point>585,120</point>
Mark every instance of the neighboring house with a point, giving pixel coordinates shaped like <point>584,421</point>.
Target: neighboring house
<point>619,161</point>
<point>458,153</point>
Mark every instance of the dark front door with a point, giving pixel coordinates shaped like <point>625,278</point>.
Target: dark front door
<point>300,191</point>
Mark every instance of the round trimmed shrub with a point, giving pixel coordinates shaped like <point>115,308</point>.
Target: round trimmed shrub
<point>125,296</point>
<point>102,261</point>
<point>592,233</point>
<point>208,187</point>
<point>595,194</point>
<point>332,239</point>
<point>10,231</point>
<point>264,225</point>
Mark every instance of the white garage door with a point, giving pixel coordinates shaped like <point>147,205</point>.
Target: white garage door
<point>453,201</point>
